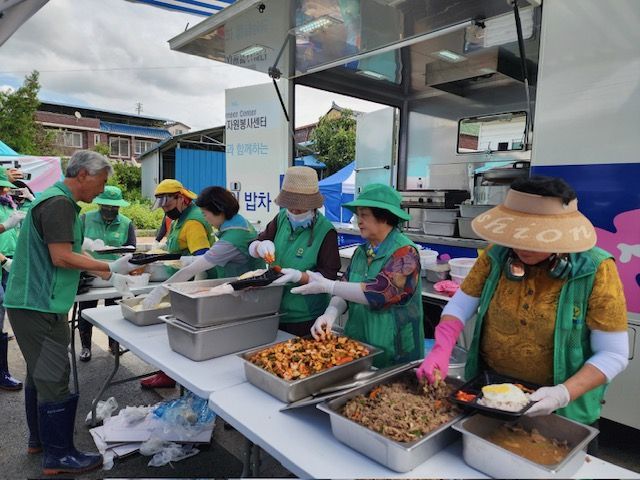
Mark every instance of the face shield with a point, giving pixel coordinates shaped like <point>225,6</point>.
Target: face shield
<point>162,200</point>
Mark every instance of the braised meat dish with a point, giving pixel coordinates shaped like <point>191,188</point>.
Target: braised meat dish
<point>298,358</point>
<point>403,410</point>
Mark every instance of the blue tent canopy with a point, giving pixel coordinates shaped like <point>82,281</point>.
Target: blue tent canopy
<point>6,150</point>
<point>338,189</point>
<point>309,161</point>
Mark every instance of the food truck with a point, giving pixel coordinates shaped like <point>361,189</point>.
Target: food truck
<point>473,94</point>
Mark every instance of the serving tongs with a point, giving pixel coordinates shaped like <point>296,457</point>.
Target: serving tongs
<point>358,380</point>
<point>146,258</point>
<point>273,273</point>
<point>125,249</point>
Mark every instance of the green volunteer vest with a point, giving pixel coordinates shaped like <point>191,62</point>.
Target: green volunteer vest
<point>113,234</point>
<point>398,330</point>
<point>572,346</point>
<point>192,212</point>
<point>8,239</point>
<point>299,249</point>
<point>35,283</point>
<point>240,233</point>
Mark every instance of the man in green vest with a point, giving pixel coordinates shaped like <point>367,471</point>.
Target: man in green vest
<point>105,227</point>
<point>382,286</point>
<point>298,239</point>
<point>550,305</point>
<point>41,290</point>
<point>189,234</point>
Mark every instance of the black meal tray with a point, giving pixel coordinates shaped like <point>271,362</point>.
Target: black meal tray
<point>146,258</point>
<point>488,378</point>
<point>129,249</point>
<point>259,281</point>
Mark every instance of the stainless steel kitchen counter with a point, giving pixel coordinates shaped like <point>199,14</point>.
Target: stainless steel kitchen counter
<point>422,238</point>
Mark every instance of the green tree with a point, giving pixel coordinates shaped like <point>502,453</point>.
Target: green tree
<point>18,127</point>
<point>335,141</point>
<point>128,178</point>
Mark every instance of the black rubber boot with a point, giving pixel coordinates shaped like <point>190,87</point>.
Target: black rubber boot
<point>7,382</point>
<point>31,410</point>
<point>57,421</point>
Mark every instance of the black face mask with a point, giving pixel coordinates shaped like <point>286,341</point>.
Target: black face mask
<point>109,214</point>
<point>173,214</point>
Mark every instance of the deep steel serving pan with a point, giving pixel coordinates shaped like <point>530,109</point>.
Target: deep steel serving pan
<point>290,391</point>
<point>398,456</point>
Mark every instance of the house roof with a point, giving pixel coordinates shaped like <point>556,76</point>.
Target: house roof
<point>81,108</point>
<point>134,130</point>
<point>309,161</point>
<point>207,133</point>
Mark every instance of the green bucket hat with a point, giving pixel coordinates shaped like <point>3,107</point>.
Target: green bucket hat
<point>111,196</point>
<point>379,196</point>
<point>4,179</point>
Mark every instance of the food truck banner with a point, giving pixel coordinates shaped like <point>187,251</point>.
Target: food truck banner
<point>257,141</point>
<point>44,171</point>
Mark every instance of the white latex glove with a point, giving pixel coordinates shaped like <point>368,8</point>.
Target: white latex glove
<point>154,297</point>
<point>290,275</point>
<point>89,245</point>
<point>27,194</point>
<point>121,285</point>
<point>122,265</point>
<point>156,245</point>
<point>324,323</point>
<point>14,219</point>
<point>548,400</point>
<point>265,248</point>
<point>7,265</point>
<point>317,284</point>
<point>188,260</point>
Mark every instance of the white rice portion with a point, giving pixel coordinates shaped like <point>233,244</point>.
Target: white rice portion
<point>507,406</point>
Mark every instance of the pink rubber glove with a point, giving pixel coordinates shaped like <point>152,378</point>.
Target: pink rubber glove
<point>447,333</point>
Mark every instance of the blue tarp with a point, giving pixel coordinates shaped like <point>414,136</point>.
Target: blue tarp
<point>338,189</point>
<point>6,150</point>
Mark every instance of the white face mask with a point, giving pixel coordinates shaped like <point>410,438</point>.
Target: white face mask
<point>301,219</point>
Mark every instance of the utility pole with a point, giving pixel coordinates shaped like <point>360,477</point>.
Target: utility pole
<point>138,108</point>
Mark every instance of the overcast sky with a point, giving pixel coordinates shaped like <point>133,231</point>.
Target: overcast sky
<point>112,54</point>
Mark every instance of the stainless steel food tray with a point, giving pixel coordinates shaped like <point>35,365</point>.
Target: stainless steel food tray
<point>205,343</point>
<point>398,456</point>
<point>142,318</point>
<point>498,462</point>
<point>290,391</point>
<point>204,311</point>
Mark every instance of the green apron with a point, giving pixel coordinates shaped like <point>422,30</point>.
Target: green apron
<point>299,249</point>
<point>398,329</point>
<point>192,212</point>
<point>113,234</point>
<point>240,233</point>
<point>35,283</point>
<point>572,347</point>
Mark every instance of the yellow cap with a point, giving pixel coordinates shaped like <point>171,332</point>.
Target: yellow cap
<point>170,185</point>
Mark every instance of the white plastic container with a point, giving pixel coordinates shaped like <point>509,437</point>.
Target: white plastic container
<point>440,215</point>
<point>461,266</point>
<point>440,229</point>
<point>428,257</point>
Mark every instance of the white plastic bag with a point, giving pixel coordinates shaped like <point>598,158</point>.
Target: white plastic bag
<point>165,452</point>
<point>104,409</point>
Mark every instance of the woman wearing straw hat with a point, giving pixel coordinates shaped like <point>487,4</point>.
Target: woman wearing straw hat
<point>550,305</point>
<point>299,239</point>
<point>105,227</point>
<point>382,286</point>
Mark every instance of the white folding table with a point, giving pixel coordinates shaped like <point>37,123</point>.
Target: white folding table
<point>302,441</point>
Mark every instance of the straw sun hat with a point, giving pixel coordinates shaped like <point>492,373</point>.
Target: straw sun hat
<point>300,190</point>
<point>537,223</point>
